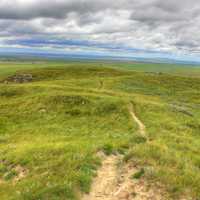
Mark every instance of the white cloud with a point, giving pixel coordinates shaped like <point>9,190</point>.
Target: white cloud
<point>171,26</point>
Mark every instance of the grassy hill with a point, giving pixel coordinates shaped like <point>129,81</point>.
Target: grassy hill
<point>52,127</point>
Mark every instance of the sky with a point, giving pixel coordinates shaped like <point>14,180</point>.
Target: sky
<point>135,28</point>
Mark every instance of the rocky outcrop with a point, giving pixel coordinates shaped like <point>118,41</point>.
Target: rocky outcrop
<point>19,78</point>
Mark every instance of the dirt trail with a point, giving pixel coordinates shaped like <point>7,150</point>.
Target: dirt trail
<point>105,183</point>
<point>114,180</point>
<point>141,126</point>
<point>100,84</point>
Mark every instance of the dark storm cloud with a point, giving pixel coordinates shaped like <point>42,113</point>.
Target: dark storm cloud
<point>21,9</point>
<point>170,25</point>
<point>166,11</point>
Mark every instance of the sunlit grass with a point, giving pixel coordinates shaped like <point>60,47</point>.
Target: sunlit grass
<point>54,126</point>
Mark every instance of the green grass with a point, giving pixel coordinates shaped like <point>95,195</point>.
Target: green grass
<point>54,126</point>
<point>138,174</point>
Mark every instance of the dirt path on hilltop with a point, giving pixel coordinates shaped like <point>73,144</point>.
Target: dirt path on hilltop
<point>141,126</point>
<point>114,180</point>
<point>105,183</point>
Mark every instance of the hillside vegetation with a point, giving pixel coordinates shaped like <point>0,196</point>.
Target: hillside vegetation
<point>52,128</point>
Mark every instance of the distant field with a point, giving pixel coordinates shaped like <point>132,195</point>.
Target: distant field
<point>52,128</point>
<point>182,70</point>
<point>173,69</point>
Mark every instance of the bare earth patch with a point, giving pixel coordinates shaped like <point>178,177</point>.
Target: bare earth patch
<point>21,173</point>
<point>1,181</point>
<point>141,126</point>
<point>115,182</point>
<point>105,183</point>
<point>15,174</point>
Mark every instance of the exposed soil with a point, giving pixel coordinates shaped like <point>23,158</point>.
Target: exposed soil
<point>141,126</point>
<point>115,180</point>
<point>21,173</point>
<point>105,183</point>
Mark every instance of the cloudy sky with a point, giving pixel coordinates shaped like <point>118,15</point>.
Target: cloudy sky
<point>107,27</point>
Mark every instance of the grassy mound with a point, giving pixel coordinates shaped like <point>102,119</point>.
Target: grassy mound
<point>52,128</point>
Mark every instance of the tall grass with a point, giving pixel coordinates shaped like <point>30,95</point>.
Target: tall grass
<point>54,126</point>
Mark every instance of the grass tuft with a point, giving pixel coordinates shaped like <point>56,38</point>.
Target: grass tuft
<point>138,174</point>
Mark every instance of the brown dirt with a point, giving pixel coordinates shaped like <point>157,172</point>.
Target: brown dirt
<point>114,182</point>
<point>140,124</point>
<point>105,183</point>
<point>21,173</point>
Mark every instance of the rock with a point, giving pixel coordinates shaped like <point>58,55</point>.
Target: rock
<point>43,111</point>
<point>19,78</point>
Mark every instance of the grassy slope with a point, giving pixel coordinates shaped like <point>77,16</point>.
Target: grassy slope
<point>54,126</point>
